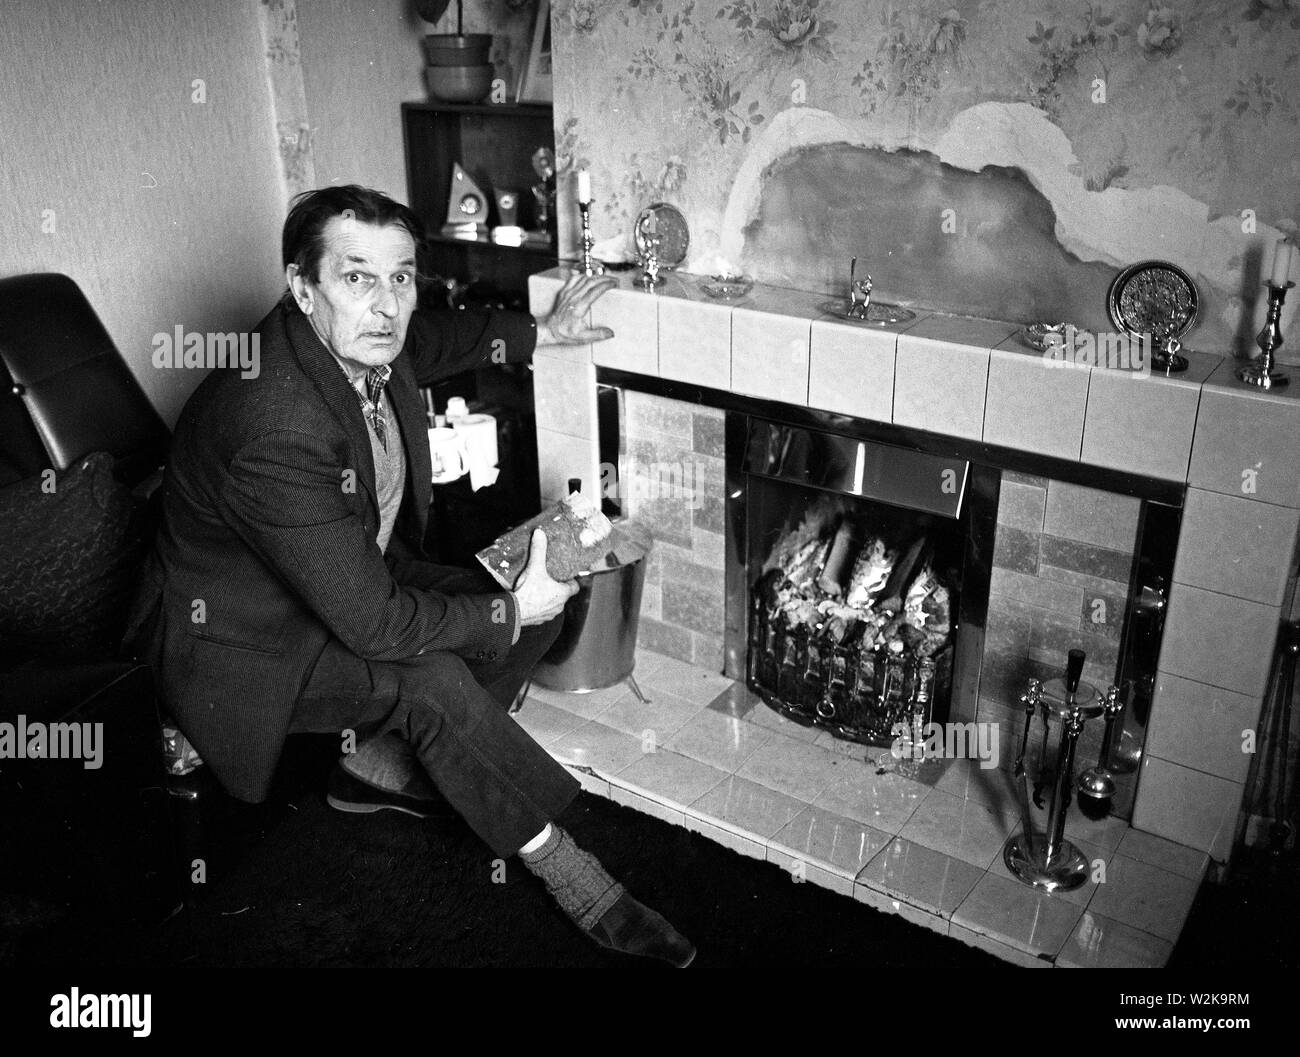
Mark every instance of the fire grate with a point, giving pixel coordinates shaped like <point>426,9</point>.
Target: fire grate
<point>851,565</point>
<point>851,629</point>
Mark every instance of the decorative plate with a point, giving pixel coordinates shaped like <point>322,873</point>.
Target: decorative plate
<point>1153,297</point>
<point>666,223</point>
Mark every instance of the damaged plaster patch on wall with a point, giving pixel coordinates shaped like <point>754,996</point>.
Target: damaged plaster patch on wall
<point>1112,227</point>
<point>788,131</point>
<point>1120,226</point>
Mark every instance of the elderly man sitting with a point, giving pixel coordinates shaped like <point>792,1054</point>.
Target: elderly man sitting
<point>288,589</point>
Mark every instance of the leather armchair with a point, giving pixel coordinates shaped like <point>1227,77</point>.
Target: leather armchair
<point>67,390</point>
<point>79,835</point>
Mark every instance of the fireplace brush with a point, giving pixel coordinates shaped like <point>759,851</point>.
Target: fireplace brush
<point>1096,786</point>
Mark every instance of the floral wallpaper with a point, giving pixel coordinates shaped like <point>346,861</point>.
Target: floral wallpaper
<point>1152,130</point>
<point>278,25</point>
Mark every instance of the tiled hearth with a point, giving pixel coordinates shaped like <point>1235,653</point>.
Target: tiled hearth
<point>705,754</point>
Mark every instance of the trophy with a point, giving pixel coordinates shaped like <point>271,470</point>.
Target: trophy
<point>543,196</point>
<point>507,232</point>
<point>467,207</point>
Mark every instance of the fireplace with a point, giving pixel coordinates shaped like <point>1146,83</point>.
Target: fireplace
<point>1089,513</point>
<point>1036,558</point>
<point>857,556</point>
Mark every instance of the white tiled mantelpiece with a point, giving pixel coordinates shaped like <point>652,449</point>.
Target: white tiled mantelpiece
<point>1235,448</point>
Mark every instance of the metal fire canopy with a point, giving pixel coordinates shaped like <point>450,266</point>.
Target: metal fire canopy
<point>901,477</point>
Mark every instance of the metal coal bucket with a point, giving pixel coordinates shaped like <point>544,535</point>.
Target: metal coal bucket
<point>597,645</point>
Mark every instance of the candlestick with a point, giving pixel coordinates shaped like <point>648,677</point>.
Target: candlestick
<point>589,267</point>
<point>1282,262</point>
<point>584,187</point>
<point>1261,372</point>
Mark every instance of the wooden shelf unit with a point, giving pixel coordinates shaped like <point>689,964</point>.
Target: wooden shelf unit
<point>494,143</point>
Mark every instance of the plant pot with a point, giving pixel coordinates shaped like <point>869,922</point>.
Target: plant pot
<point>459,84</point>
<point>448,49</point>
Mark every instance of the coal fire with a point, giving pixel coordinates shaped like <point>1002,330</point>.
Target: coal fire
<point>851,621</point>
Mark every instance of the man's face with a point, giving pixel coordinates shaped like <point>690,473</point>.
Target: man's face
<point>366,294</point>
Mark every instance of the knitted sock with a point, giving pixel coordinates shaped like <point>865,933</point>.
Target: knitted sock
<point>575,878</point>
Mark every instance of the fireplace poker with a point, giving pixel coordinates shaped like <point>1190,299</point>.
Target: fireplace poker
<point>1065,760</point>
<point>1030,701</point>
<point>1284,676</point>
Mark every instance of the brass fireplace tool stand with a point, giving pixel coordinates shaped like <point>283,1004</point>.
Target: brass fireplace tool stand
<point>1261,372</point>
<point>1049,862</point>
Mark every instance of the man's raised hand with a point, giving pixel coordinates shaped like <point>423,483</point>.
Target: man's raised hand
<point>539,597</point>
<point>567,323</point>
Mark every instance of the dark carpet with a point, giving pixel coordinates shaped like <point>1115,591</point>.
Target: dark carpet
<point>293,883</point>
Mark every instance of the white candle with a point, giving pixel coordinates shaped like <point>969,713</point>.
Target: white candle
<point>1282,262</point>
<point>584,187</point>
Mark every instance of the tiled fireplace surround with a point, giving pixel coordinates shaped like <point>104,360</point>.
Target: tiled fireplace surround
<point>723,764</point>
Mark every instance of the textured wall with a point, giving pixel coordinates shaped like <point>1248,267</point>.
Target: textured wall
<point>164,209</point>
<point>1199,120</point>
<point>360,62</point>
<point>164,199</point>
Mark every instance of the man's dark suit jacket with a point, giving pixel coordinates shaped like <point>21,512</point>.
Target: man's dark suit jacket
<point>267,547</point>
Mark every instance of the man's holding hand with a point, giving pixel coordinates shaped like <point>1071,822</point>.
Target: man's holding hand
<point>539,597</point>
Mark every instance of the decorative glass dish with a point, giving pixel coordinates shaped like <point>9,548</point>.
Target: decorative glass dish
<point>728,287</point>
<point>1042,336</point>
<point>878,314</point>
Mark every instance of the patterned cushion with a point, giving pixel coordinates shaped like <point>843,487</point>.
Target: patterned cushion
<point>68,557</point>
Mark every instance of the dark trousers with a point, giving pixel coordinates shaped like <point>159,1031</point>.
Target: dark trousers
<point>454,714</point>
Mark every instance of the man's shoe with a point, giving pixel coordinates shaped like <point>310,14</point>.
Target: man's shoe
<point>347,793</point>
<point>631,927</point>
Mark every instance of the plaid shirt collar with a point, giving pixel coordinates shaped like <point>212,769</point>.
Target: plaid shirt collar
<point>369,389</point>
